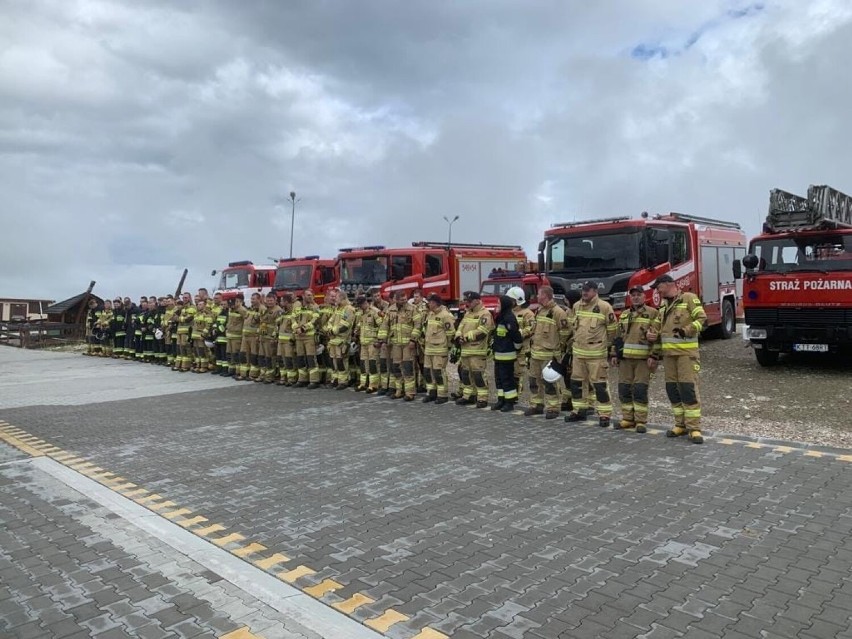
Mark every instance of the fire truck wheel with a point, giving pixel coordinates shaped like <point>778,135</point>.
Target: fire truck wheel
<point>766,357</point>
<point>729,320</point>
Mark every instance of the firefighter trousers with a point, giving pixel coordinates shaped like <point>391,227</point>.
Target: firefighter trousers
<point>402,367</point>
<point>473,377</point>
<point>542,393</point>
<point>681,374</point>
<point>435,374</point>
<point>306,359</point>
<point>592,371</point>
<point>634,376</point>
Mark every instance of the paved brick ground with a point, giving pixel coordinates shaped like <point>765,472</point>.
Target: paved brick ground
<point>484,525</point>
<point>69,568</point>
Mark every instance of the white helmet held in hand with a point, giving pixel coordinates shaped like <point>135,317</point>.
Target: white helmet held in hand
<point>158,334</point>
<point>550,374</point>
<point>517,294</point>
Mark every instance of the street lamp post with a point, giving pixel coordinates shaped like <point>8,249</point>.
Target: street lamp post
<point>450,232</point>
<point>292,219</point>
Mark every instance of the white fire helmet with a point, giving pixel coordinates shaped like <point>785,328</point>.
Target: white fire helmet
<point>550,375</point>
<point>158,334</point>
<point>517,294</point>
<point>209,343</point>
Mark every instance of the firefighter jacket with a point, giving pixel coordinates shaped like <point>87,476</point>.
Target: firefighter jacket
<point>526,324</point>
<point>398,327</point>
<point>220,321</point>
<point>236,319</point>
<point>269,323</point>
<point>633,328</point>
<point>368,326</point>
<point>340,324</point>
<point>185,319</point>
<point>119,320</point>
<point>251,324</point>
<point>439,330</point>
<point>92,316</point>
<point>168,322</point>
<point>507,336</point>
<point>287,323</point>
<point>419,321</point>
<point>552,332</point>
<point>474,331</point>
<point>325,312</point>
<point>679,322</point>
<point>595,329</point>
<point>153,319</point>
<point>306,321</point>
<point>202,323</point>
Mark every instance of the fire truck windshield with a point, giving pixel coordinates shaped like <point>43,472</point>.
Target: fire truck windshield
<point>293,277</point>
<point>236,278</point>
<point>366,271</point>
<point>594,253</point>
<point>830,252</point>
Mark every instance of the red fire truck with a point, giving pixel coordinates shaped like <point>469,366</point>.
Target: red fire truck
<point>297,274</point>
<point>435,267</point>
<point>621,252</point>
<point>798,276</point>
<point>499,281</point>
<point>245,277</point>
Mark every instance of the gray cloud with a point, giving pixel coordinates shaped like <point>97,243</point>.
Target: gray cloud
<point>138,139</point>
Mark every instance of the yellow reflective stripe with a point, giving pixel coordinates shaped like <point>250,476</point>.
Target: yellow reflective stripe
<point>541,355</point>
<point>698,324</point>
<point>687,346</point>
<point>545,320</point>
<point>692,412</point>
<point>581,352</point>
<point>473,351</point>
<point>590,314</point>
<point>505,357</point>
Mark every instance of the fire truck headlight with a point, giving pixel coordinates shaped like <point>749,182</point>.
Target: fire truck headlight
<point>756,333</point>
<point>618,300</point>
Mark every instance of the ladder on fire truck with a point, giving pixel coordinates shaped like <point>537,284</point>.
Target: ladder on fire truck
<point>824,207</point>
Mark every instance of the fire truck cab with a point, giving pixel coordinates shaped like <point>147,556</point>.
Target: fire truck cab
<point>798,276</point>
<point>499,281</point>
<point>245,277</point>
<point>297,274</point>
<point>433,267</point>
<point>621,252</point>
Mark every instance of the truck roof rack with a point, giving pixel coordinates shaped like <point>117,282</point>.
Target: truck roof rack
<point>241,263</point>
<point>824,207</point>
<point>462,245</point>
<point>621,218</point>
<point>683,217</point>
<point>361,248</point>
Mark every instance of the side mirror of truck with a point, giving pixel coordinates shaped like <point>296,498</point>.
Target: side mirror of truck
<point>750,262</point>
<point>213,273</point>
<point>738,270</point>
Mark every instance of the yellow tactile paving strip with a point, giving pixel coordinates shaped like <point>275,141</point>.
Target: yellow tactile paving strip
<point>229,540</point>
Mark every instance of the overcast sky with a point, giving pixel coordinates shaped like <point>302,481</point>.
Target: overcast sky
<point>139,138</point>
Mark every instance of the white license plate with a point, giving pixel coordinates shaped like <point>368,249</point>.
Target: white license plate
<point>811,348</point>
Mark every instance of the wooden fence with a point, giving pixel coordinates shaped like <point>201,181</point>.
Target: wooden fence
<point>39,334</point>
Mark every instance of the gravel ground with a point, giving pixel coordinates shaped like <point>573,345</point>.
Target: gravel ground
<point>804,399</point>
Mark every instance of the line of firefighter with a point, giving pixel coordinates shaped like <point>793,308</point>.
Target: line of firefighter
<point>401,348</point>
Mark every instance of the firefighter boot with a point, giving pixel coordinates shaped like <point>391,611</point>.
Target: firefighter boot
<point>508,407</point>
<point>640,428</point>
<point>499,403</point>
<point>623,424</point>
<point>695,436</point>
<point>430,397</point>
<point>441,400</point>
<point>577,416</point>
<point>603,421</point>
<point>677,431</point>
<point>535,409</point>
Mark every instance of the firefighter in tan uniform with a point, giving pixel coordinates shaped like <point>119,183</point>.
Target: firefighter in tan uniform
<point>551,335</point>
<point>384,350</point>
<point>288,371</point>
<point>421,310</point>
<point>675,334</point>
<point>202,323</point>
<point>438,333</point>
<point>250,347</point>
<point>630,354</point>
<point>398,331</point>
<point>268,335</point>
<point>339,333</point>
<point>526,324</point>
<point>305,326</point>
<point>185,316</point>
<point>369,324</point>
<point>472,336</point>
<point>595,330</point>
<point>237,313</point>
<point>324,360</point>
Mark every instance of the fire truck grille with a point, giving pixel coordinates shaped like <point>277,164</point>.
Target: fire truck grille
<point>797,316</point>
